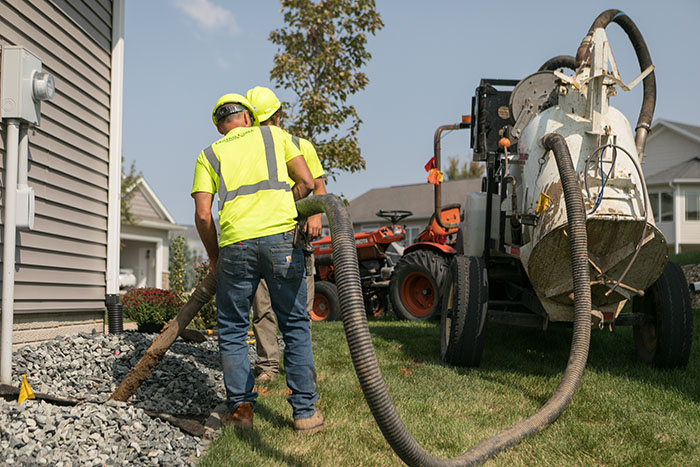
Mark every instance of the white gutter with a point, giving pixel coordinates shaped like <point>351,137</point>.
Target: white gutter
<point>158,225</point>
<point>8,249</point>
<point>677,181</point>
<point>676,217</point>
<point>115,147</point>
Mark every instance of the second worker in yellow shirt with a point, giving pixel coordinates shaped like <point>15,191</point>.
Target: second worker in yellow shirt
<point>268,110</point>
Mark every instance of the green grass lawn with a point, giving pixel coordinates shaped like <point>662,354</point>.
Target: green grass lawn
<point>688,257</point>
<point>625,412</point>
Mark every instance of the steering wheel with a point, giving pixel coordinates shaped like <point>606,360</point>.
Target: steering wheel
<point>394,216</point>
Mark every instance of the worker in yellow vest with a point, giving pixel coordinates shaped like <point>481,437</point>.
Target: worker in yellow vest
<point>248,169</point>
<point>268,109</point>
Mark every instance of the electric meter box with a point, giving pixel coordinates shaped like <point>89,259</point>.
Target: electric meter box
<point>23,85</point>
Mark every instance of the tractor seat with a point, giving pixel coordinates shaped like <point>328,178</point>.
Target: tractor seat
<point>450,215</point>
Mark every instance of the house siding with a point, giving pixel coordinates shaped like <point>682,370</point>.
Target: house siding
<point>667,149</point>
<point>690,230</point>
<point>141,208</point>
<point>61,279</point>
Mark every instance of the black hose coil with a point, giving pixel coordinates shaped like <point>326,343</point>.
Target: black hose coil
<point>365,361</point>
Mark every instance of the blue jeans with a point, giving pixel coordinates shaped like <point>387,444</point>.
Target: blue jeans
<point>238,272</point>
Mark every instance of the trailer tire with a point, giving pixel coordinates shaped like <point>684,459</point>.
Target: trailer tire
<point>665,338</point>
<point>416,283</point>
<point>326,304</point>
<point>463,315</point>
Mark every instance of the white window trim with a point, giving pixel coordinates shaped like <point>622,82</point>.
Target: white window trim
<point>115,148</point>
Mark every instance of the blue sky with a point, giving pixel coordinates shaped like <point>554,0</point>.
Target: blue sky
<point>182,55</point>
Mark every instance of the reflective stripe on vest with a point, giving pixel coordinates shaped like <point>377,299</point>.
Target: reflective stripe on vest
<point>270,184</point>
<point>295,140</point>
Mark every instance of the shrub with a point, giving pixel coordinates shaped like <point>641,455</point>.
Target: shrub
<point>177,266</point>
<point>149,305</point>
<point>206,317</point>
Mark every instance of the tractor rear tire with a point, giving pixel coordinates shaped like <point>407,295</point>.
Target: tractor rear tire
<point>326,303</point>
<point>464,310</point>
<point>664,339</point>
<point>416,285</point>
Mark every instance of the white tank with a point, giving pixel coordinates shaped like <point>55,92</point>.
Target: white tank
<point>615,223</point>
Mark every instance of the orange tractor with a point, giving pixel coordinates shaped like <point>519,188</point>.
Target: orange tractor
<point>377,253</point>
<point>418,276</point>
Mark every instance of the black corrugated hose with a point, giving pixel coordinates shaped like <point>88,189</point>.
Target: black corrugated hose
<point>646,114</point>
<point>364,359</point>
<point>560,61</point>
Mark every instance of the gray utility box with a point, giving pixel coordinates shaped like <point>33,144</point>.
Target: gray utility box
<point>23,85</point>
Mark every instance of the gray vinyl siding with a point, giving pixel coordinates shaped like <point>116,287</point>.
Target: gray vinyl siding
<point>62,262</point>
<point>668,149</point>
<point>142,209</point>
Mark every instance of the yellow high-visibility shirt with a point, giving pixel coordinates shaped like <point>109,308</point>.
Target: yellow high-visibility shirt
<point>310,156</point>
<point>255,199</point>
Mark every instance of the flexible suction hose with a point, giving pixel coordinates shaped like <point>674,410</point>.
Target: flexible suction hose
<point>362,352</point>
<point>560,61</point>
<point>583,56</point>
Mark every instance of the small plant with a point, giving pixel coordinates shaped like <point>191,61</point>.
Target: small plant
<point>206,317</point>
<point>149,305</point>
<point>177,266</point>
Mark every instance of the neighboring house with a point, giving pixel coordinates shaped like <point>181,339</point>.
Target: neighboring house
<point>194,243</point>
<point>145,243</point>
<point>66,264</point>
<point>672,172</point>
<point>418,198</point>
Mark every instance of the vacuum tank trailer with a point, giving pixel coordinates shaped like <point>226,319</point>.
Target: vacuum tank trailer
<point>517,232</point>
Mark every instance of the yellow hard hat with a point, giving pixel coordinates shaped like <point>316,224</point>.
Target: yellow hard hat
<point>234,99</point>
<point>264,102</point>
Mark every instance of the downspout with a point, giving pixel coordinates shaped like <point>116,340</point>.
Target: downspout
<point>8,249</point>
<point>114,310</point>
<point>676,217</point>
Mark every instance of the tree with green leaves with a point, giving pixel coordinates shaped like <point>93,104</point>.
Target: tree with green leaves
<point>457,171</point>
<point>129,180</point>
<point>320,52</point>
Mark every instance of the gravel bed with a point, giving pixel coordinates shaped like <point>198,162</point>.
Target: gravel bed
<point>89,367</point>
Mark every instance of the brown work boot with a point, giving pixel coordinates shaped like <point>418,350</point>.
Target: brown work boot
<point>310,424</point>
<point>265,377</point>
<point>242,417</point>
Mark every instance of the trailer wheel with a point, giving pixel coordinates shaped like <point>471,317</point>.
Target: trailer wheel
<point>664,339</point>
<point>415,285</point>
<point>326,303</point>
<point>463,316</point>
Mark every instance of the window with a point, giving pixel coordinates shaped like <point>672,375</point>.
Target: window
<point>692,205</point>
<point>411,234</point>
<point>666,207</point>
<point>654,203</point>
<point>662,206</point>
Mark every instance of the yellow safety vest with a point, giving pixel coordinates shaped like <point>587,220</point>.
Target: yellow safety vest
<point>247,168</point>
<point>310,156</point>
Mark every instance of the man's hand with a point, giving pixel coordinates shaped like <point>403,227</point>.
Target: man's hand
<point>313,226</point>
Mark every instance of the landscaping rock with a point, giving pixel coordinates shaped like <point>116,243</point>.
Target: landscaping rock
<point>99,432</point>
